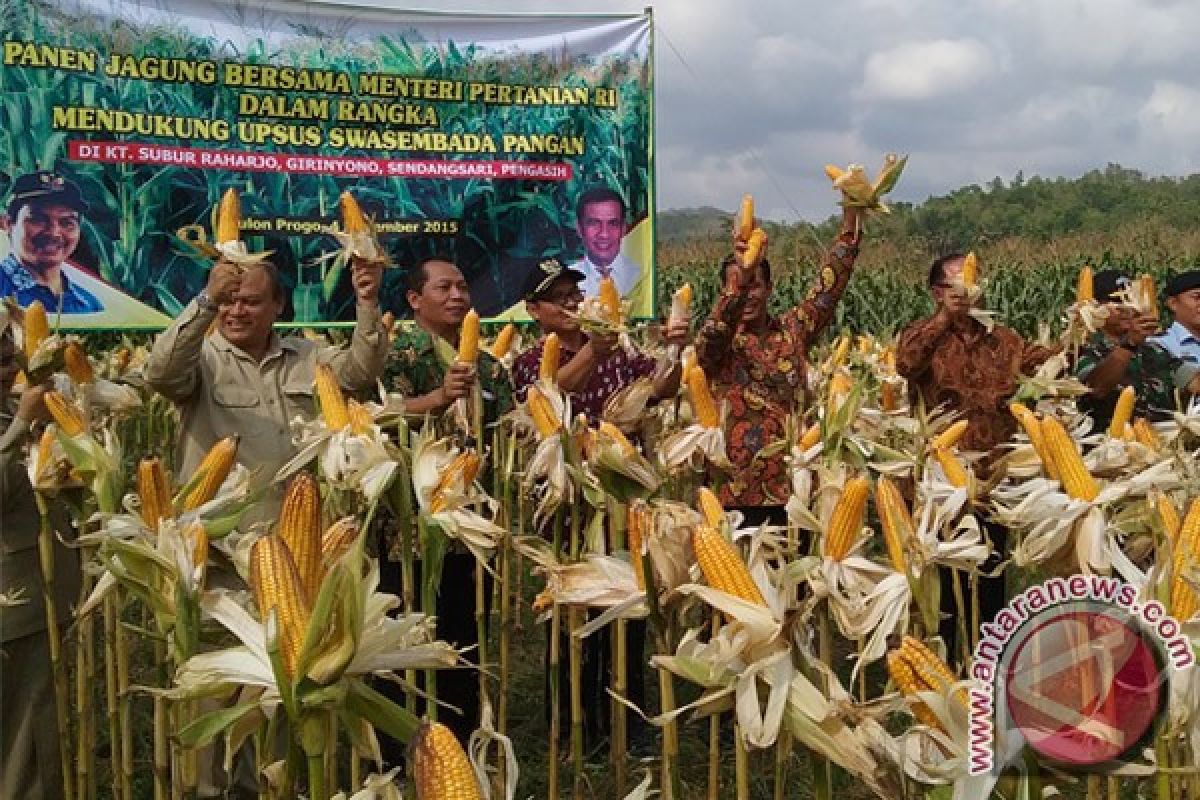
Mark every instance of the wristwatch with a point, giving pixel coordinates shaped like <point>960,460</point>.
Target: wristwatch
<point>206,303</point>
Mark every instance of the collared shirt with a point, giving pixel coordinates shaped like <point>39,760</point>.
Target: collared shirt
<point>414,368</point>
<point>15,280</point>
<point>1151,371</point>
<point>221,390</point>
<point>969,370</point>
<point>610,376</point>
<point>1181,343</point>
<point>625,273</point>
<point>761,376</point>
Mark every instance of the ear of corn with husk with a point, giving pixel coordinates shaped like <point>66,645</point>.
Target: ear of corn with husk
<point>154,492</point>
<point>36,328</point>
<point>277,587</point>
<point>744,224</point>
<point>331,399</point>
<point>915,668</point>
<point>228,226</point>
<point>78,365</point>
<point>468,339</point>
<point>551,354</point>
<point>1085,291</point>
<point>1073,473</point>
<point>212,471</point>
<point>544,417</point>
<point>299,527</point>
<point>610,300</point>
<point>504,341</point>
<point>65,413</point>
<point>896,522</point>
<point>722,565</point>
<point>1123,413</point>
<point>970,271</point>
<point>756,247</point>
<point>846,522</point>
<point>441,769</point>
<point>1184,601</point>
<point>701,398</point>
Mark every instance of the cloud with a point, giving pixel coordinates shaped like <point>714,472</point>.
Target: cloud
<point>926,70</point>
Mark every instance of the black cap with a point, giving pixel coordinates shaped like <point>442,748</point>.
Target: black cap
<point>46,186</point>
<point>1182,282</point>
<point>545,274</point>
<point>1106,283</point>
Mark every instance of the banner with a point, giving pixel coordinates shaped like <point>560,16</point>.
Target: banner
<point>496,141</point>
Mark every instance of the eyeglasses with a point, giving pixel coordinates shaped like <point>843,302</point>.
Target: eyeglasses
<point>562,298</point>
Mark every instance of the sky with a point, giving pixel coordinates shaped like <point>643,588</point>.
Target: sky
<point>756,96</point>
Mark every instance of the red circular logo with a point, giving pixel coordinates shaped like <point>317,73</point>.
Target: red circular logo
<point>1083,687</point>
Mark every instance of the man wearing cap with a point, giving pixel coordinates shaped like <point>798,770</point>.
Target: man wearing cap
<point>1123,354</point>
<point>592,368</point>
<point>1182,339</point>
<point>43,224</point>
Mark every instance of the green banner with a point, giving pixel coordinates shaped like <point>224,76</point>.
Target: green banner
<point>497,141</point>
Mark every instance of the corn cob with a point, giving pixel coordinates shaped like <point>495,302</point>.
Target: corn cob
<point>468,339</point>
<point>840,351</point>
<point>337,539</point>
<point>1150,295</point>
<point>213,470</point>
<point>1084,290</point>
<point>79,367</point>
<point>229,217</point>
<point>833,173</point>
<point>865,343</point>
<point>441,770</point>
<point>687,360</point>
<point>614,433</point>
<point>331,398</point>
<point>681,304</point>
<point>45,456</point>
<point>154,492</point>
<point>756,245</point>
<point>703,404</point>
<point>66,414</point>
<point>949,437</point>
<point>745,218</point>
<point>551,353</point>
<point>1123,413</point>
<point>956,473</point>
<point>121,360</point>
<point>811,437</point>
<point>635,528</point>
<point>888,358</point>
<point>847,520</point>
<point>462,471</point>
<point>1073,473</point>
<point>1144,434</point>
<point>544,418</point>
<point>299,527</point>
<point>504,341</point>
<point>360,418</point>
<point>887,396</point>
<point>896,522</point>
<point>839,388</point>
<point>276,586</point>
<point>36,327</point>
<point>1167,513</point>
<point>353,219</point>
<point>710,508</point>
<point>1033,429</point>
<point>610,299</point>
<point>197,537</point>
<point>970,271</point>
<point>1184,601</point>
<point>723,566</point>
<point>915,668</point>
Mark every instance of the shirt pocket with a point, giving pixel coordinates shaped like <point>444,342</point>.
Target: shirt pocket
<point>234,396</point>
<point>299,394</point>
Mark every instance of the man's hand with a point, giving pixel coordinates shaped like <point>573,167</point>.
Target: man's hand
<point>366,276</point>
<point>677,332</point>
<point>459,380</point>
<point>224,279</point>
<point>1141,327</point>
<point>32,406</point>
<point>744,275</point>
<point>602,343</point>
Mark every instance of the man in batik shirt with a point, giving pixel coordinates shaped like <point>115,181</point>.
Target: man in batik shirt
<point>757,363</point>
<point>952,360</point>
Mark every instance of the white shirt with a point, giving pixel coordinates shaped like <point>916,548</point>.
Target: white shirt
<point>1181,343</point>
<point>625,274</point>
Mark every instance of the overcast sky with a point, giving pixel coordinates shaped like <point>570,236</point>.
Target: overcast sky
<point>757,95</point>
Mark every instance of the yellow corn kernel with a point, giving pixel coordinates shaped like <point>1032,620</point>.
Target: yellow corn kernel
<point>1073,473</point>
<point>1033,429</point>
<point>888,358</point>
<point>970,271</point>
<point>79,366</point>
<point>745,218</point>
<point>840,350</point>
<point>811,437</point>
<point>915,668</point>
<point>121,360</point>
<point>710,507</point>
<point>949,437</point>
<point>337,539</point>
<point>545,420</point>
<point>756,247</point>
<point>66,414</point>
<point>213,470</point>
<point>441,770</point>
<point>1150,294</point>
<point>197,537</point>
<point>610,299</point>
<point>681,304</point>
<point>36,327</point>
<point>229,217</point>
<point>887,396</point>
<point>459,474</point>
<point>1084,289</point>
<point>353,219</point>
<point>896,522</point>
<point>154,492</point>
<point>1123,413</point>
<point>276,586</point>
<point>956,473</point>
<point>635,534</point>
<point>1144,434</point>
<point>703,404</point>
<point>723,566</point>
<point>299,526</point>
<point>846,522</point>
<point>1184,601</point>
<point>331,398</point>
<point>551,353</point>
<point>360,418</point>
<point>504,341</point>
<point>618,437</point>
<point>1167,513</point>
<point>468,339</point>
<point>833,173</point>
